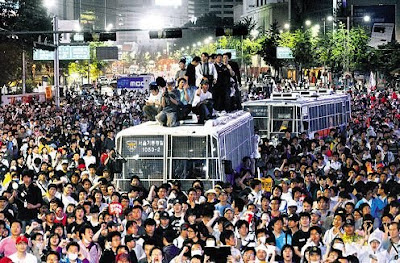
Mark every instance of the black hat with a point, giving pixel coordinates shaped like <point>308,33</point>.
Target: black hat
<point>161,82</point>
<point>112,223</point>
<point>315,250</point>
<point>349,222</point>
<point>164,215</point>
<point>129,238</point>
<point>2,198</point>
<point>176,201</point>
<point>294,217</point>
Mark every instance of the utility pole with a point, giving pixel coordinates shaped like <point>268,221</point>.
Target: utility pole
<point>23,72</point>
<point>56,63</point>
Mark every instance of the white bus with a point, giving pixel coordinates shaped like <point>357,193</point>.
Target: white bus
<point>300,111</point>
<point>158,154</point>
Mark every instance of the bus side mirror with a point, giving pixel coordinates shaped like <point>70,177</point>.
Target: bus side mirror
<point>305,125</point>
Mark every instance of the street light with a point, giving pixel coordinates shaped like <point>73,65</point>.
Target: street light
<point>329,18</point>
<point>109,27</point>
<point>367,18</point>
<point>308,23</point>
<point>286,26</point>
<point>254,33</point>
<point>194,45</point>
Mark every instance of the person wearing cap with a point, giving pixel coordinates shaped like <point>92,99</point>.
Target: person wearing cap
<point>313,255</point>
<point>153,102</point>
<point>350,236</point>
<point>164,224</point>
<point>315,240</point>
<point>202,102</point>
<point>223,202</point>
<point>170,104</point>
<point>22,255</point>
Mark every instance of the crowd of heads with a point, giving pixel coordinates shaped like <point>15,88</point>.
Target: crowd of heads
<point>317,199</point>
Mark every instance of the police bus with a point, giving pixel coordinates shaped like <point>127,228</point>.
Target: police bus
<point>188,152</point>
<point>300,111</point>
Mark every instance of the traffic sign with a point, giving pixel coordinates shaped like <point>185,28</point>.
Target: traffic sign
<point>223,51</point>
<point>284,53</point>
<point>65,53</point>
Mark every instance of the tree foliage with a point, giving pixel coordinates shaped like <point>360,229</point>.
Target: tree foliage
<point>269,42</point>
<point>19,15</point>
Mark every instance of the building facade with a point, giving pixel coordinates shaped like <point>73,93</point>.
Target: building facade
<point>197,8</point>
<point>224,9</point>
<point>266,12</point>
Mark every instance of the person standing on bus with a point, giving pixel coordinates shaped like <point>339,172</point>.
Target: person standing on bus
<point>206,70</point>
<point>153,103</point>
<point>170,101</point>
<point>182,70</point>
<point>191,73</point>
<point>202,102</point>
<point>221,92</point>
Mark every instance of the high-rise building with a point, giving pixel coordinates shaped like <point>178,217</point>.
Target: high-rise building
<point>197,8</point>
<point>383,18</point>
<point>224,9</point>
<point>266,12</point>
<point>148,14</point>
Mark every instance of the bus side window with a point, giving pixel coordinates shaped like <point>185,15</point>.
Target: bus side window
<point>305,125</point>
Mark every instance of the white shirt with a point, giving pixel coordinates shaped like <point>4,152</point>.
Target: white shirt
<point>203,96</point>
<point>200,74</point>
<point>29,258</point>
<point>156,98</point>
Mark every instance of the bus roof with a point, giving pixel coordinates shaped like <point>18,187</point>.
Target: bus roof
<point>211,127</point>
<point>297,100</point>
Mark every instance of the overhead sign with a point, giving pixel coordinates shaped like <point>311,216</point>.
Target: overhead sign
<point>107,53</point>
<point>65,53</point>
<point>168,2</point>
<point>223,51</point>
<point>284,53</point>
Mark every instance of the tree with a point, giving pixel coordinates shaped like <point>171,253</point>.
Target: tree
<point>302,45</point>
<point>341,50</point>
<point>23,15</point>
<point>388,58</point>
<point>269,43</point>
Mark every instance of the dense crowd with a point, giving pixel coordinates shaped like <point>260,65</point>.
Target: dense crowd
<point>332,199</point>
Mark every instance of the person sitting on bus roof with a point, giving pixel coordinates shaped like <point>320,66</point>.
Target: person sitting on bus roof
<point>203,103</point>
<point>153,103</point>
<point>170,102</point>
<point>186,97</point>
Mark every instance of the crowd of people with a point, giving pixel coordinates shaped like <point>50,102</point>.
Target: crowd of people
<point>209,84</point>
<point>331,199</point>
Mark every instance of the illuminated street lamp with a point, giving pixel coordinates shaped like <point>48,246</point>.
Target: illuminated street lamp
<point>308,22</point>
<point>329,18</point>
<point>286,26</point>
<point>367,18</point>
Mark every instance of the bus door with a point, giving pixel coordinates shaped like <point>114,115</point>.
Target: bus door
<point>282,119</point>
<point>260,115</point>
<point>304,122</point>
